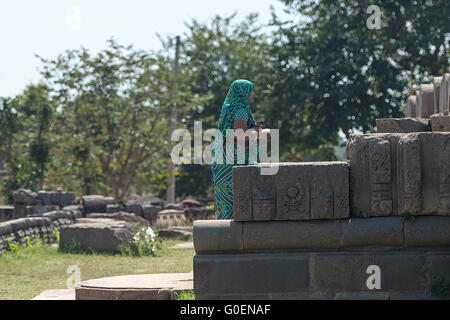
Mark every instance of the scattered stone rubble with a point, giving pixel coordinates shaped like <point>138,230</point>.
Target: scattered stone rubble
<point>19,231</point>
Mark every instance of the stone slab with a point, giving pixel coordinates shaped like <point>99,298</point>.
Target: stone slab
<point>217,235</point>
<point>318,275</point>
<point>372,233</point>
<point>426,232</point>
<point>440,123</point>
<point>299,191</point>
<point>340,272</point>
<point>186,245</point>
<point>402,125</point>
<point>59,294</point>
<point>356,234</point>
<point>250,273</point>
<point>291,235</point>
<point>97,234</point>
<point>96,203</point>
<point>163,286</point>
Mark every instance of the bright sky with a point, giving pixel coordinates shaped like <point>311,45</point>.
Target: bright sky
<point>49,27</point>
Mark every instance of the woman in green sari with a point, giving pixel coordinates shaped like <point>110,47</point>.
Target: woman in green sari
<point>235,114</point>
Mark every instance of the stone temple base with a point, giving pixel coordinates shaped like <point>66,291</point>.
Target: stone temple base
<point>327,259</point>
<point>314,275</point>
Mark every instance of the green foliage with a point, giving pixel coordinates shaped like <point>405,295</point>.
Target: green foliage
<point>74,247</point>
<point>144,243</point>
<point>333,73</point>
<point>186,295</point>
<point>406,216</point>
<point>359,213</point>
<point>25,137</point>
<point>112,122</point>
<point>56,236</point>
<point>100,124</point>
<point>11,246</point>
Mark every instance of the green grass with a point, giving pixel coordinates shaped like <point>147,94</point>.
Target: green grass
<point>28,272</point>
<point>186,295</point>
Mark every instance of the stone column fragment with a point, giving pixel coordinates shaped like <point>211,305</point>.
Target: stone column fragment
<point>425,105</point>
<point>444,94</point>
<point>437,88</point>
<point>372,173</point>
<point>411,106</point>
<point>424,173</point>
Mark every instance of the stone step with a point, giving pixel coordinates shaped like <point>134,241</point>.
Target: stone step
<point>163,286</point>
<point>58,294</point>
<point>357,234</point>
<point>320,275</point>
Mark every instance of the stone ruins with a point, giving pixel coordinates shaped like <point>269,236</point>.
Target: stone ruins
<point>375,227</point>
<point>94,222</point>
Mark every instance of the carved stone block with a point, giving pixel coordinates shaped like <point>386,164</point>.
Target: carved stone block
<point>402,125</point>
<point>394,174</point>
<point>299,191</point>
<point>372,179</point>
<point>440,123</point>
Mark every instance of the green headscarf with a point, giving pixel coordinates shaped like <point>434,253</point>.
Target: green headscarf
<point>238,97</point>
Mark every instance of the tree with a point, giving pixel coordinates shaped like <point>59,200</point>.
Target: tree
<point>333,73</point>
<point>25,138</point>
<point>112,117</point>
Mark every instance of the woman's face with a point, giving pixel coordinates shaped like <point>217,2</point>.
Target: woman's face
<point>252,96</point>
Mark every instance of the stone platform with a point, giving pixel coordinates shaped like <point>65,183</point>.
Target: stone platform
<point>163,286</point>
<point>326,259</point>
<point>318,275</point>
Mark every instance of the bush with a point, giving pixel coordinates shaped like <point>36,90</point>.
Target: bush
<point>144,243</point>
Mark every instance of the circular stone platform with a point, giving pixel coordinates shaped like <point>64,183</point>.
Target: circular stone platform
<point>164,286</point>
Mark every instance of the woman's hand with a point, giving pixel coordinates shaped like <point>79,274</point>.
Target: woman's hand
<point>257,127</point>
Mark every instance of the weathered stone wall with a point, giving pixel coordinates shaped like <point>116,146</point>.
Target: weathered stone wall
<point>393,174</point>
<point>35,228</point>
<point>326,259</point>
<point>318,275</point>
